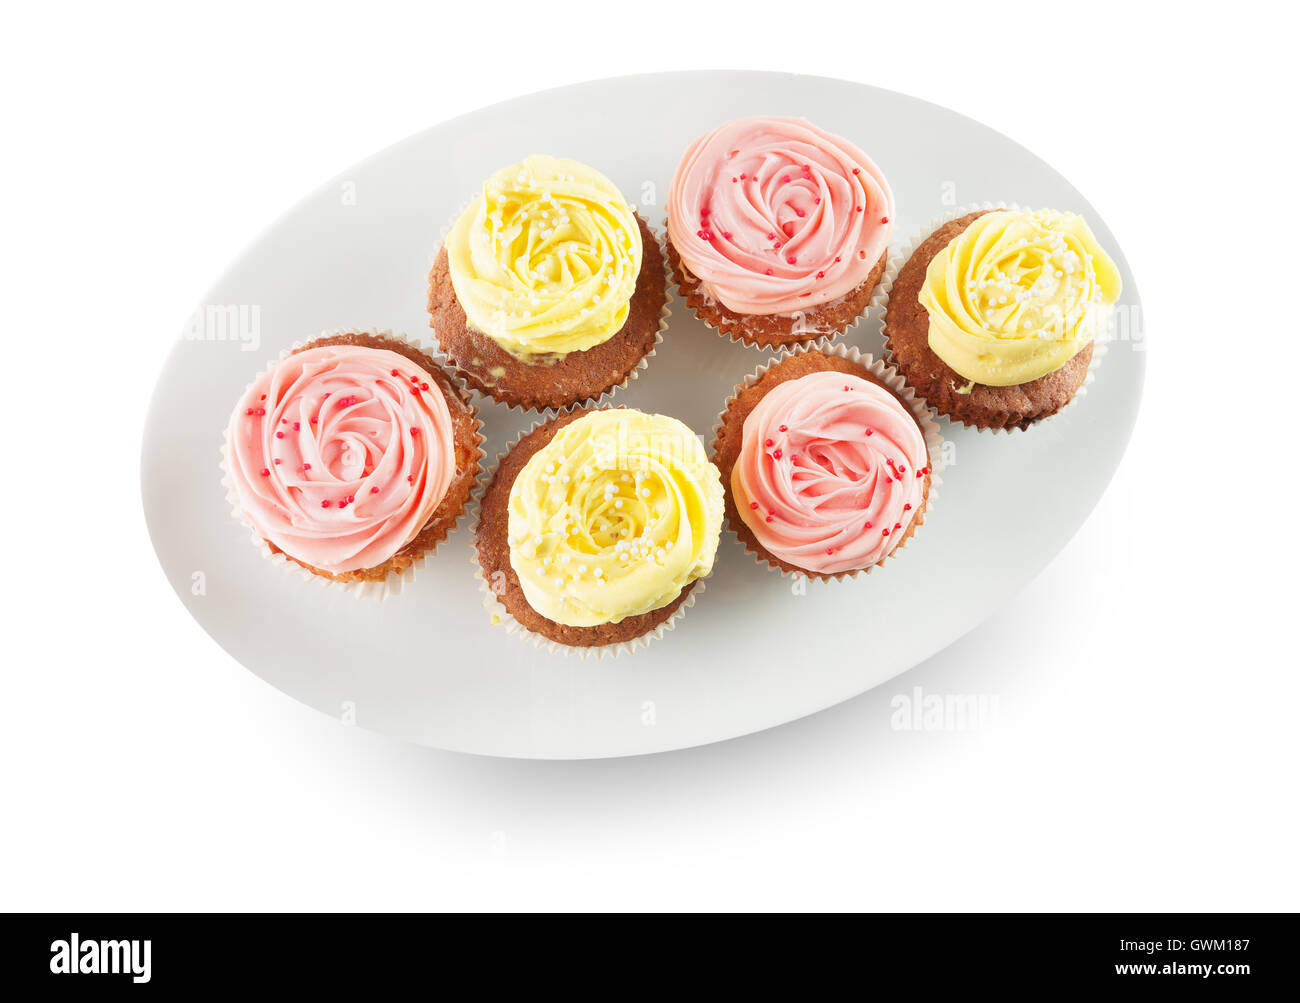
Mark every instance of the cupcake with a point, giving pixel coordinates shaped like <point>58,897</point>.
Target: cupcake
<point>352,457</point>
<point>992,318</point>
<point>549,289</point>
<point>827,467</point>
<point>597,526</point>
<point>777,230</point>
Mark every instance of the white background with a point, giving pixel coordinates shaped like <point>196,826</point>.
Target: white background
<point>1144,754</point>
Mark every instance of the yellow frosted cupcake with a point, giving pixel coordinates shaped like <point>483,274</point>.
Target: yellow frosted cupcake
<point>549,288</point>
<point>598,524</point>
<point>993,317</point>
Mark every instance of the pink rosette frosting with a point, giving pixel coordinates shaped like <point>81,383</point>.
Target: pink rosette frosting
<point>830,472</point>
<point>776,216</point>
<point>339,455</point>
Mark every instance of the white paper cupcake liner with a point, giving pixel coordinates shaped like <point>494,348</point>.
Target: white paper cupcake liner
<point>899,257</point>
<point>393,583</point>
<point>817,337</point>
<point>499,616</point>
<point>598,399</point>
<point>887,375</point>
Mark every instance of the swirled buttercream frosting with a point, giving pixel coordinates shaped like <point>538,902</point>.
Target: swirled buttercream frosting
<point>830,472</point>
<point>613,517</point>
<point>774,215</point>
<point>1016,295</point>
<point>339,455</point>
<point>545,260</point>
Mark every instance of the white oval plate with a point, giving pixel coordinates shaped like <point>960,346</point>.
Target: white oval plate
<point>426,665</point>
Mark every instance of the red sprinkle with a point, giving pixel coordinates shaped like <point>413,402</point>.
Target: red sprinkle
<point>857,208</point>
<point>297,426</point>
<point>313,421</point>
<point>415,431</point>
<point>898,525</point>
<point>862,255</point>
<point>771,236</point>
<point>907,507</point>
<point>784,428</point>
<point>276,461</point>
<point>753,504</point>
<point>325,503</point>
<point>837,259</point>
<point>396,373</point>
<point>769,518</point>
<point>424,386</point>
<point>777,454</point>
<point>767,442</point>
<point>884,219</point>
<point>306,466</point>
<point>374,491</point>
<point>260,411</point>
<point>265,472</point>
<point>790,260</point>
<point>870,432</point>
<point>884,532</point>
<point>830,550</point>
<point>821,275</point>
<point>279,435</point>
<point>868,525</point>
<point>410,478</point>
<point>263,397</point>
<point>249,411</point>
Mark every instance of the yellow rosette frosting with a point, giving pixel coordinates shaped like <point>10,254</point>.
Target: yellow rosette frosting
<point>1017,295</point>
<point>617,514</point>
<point>545,260</point>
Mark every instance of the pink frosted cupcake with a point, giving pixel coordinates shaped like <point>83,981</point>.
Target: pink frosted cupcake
<point>352,457</point>
<point>778,230</point>
<point>827,468</point>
